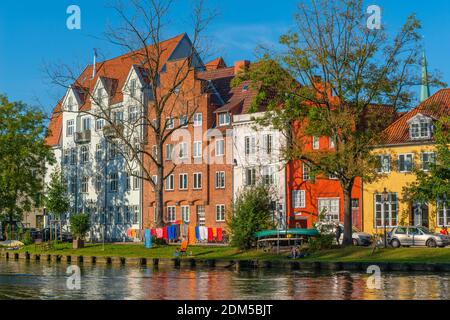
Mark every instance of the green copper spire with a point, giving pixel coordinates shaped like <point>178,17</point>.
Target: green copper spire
<point>425,87</point>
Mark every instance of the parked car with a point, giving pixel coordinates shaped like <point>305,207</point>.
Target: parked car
<point>416,236</point>
<point>359,238</point>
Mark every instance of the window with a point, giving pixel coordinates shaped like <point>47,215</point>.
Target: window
<point>99,94</point>
<point>250,176</point>
<point>315,143</point>
<point>331,145</point>
<point>185,216</point>
<point>250,146</point>
<point>201,220</point>
<point>220,213</point>
<point>224,119</point>
<point>99,124</point>
<point>136,215</point>
<point>355,204</point>
<point>427,160</point>
<point>184,121</point>
<point>85,185</point>
<point>70,127</point>
<point>385,164</point>
<point>99,152</point>
<point>171,214</point>
<point>268,143</point>
<point>198,120</point>
<point>183,150</point>
<point>70,103</point>
<point>84,154</point>
<point>133,88</point>
<point>268,175</point>
<point>133,114</point>
<point>66,156</point>
<point>154,151</point>
<point>169,151</point>
<point>113,151</point>
<point>169,123</point>
<point>197,180</point>
<point>183,181</point>
<point>118,117</point>
<point>386,212</point>
<point>119,216</point>
<point>127,215</point>
<point>306,172</point>
<point>136,180</point>
<point>86,124</point>
<point>113,182</point>
<point>155,181</point>
<point>298,199</point>
<point>197,149</point>
<point>332,176</point>
<point>170,181</point>
<point>220,148</point>
<point>98,183</point>
<point>73,184</point>
<point>220,180</point>
<point>330,208</point>
<point>443,212</point>
<point>405,162</point>
<point>421,128</point>
<point>73,156</point>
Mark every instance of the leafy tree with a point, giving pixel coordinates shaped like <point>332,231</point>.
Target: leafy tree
<point>23,155</point>
<point>57,201</point>
<point>336,78</point>
<point>252,213</point>
<point>435,184</point>
<point>79,225</point>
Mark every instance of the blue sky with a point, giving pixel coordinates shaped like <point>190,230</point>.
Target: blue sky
<point>34,32</point>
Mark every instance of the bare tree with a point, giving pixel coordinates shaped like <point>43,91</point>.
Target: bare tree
<point>168,93</point>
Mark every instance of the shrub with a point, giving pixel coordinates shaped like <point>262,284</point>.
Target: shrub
<point>79,225</point>
<point>322,242</point>
<point>26,238</point>
<point>252,213</point>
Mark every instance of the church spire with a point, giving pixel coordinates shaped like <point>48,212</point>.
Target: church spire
<point>425,87</point>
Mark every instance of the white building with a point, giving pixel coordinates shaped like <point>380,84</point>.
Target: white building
<point>257,153</point>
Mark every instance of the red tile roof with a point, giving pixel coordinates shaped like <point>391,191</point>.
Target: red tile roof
<point>215,64</point>
<point>55,127</point>
<point>436,106</point>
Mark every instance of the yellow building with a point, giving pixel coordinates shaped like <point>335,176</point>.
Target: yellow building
<point>408,144</point>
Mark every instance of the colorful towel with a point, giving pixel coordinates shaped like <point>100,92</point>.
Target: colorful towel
<point>219,234</point>
<point>191,238</point>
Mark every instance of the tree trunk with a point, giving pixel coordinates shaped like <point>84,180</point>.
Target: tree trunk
<point>159,198</point>
<point>348,227</point>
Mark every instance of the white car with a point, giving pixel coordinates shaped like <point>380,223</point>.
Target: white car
<point>359,238</point>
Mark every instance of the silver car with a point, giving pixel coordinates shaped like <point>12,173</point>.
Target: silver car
<point>416,236</point>
<point>358,238</point>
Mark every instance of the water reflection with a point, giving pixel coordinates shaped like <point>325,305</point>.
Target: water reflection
<point>31,280</point>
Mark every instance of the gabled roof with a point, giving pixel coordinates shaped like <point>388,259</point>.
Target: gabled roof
<point>215,64</point>
<point>54,131</point>
<point>435,107</point>
<point>115,72</point>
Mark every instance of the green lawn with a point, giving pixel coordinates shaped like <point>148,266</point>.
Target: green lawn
<point>351,254</point>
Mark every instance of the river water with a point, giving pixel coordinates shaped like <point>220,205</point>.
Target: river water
<point>34,280</point>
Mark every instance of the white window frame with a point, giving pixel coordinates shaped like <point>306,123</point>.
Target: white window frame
<point>198,119</point>
<point>70,128</point>
<point>220,213</point>
<point>306,173</point>
<point>170,183</point>
<point>185,214</point>
<point>197,182</point>
<point>169,151</point>
<point>315,143</point>
<point>422,163</point>
<point>381,169</point>
<point>404,162</point>
<point>198,152</point>
<point>171,214</point>
<point>298,199</point>
<point>183,181</point>
<point>390,212</point>
<point>224,119</point>
<point>219,176</point>
<point>220,147</point>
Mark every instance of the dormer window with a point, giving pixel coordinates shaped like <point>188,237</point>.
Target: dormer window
<point>99,94</point>
<point>70,104</point>
<point>133,88</point>
<point>224,119</point>
<point>420,127</point>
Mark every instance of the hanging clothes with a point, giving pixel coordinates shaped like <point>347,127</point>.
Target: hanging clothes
<point>191,238</point>
<point>197,233</point>
<point>215,233</point>
<point>177,231</point>
<point>159,233</point>
<point>219,234</point>
<point>153,232</point>
<point>165,235</point>
<point>203,233</point>
<point>210,234</point>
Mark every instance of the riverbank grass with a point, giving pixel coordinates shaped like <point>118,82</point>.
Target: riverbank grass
<point>349,254</point>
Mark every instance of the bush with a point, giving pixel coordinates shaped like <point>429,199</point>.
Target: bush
<point>26,238</point>
<point>322,242</point>
<point>252,213</point>
<point>79,225</point>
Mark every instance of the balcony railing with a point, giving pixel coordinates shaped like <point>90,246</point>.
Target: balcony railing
<point>113,131</point>
<point>83,137</point>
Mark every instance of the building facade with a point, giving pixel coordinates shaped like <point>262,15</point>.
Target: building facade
<point>258,158</point>
<point>408,146</point>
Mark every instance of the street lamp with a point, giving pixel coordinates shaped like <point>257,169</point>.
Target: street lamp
<point>384,199</point>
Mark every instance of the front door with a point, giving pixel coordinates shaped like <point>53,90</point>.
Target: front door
<point>420,214</point>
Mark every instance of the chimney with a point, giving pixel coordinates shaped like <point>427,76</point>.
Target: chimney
<point>241,65</point>
<point>94,67</point>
